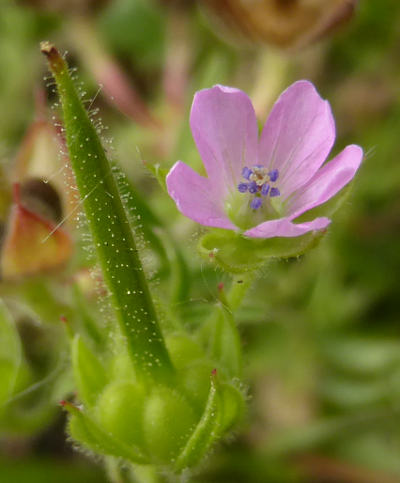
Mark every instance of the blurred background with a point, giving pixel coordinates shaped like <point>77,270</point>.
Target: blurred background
<point>321,333</point>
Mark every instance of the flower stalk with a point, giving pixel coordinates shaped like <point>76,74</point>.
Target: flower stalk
<point>112,234</point>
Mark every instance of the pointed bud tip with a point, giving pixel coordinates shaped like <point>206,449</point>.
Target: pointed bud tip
<point>48,49</point>
<point>56,62</point>
<point>69,406</point>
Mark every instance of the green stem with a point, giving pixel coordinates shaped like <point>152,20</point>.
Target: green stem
<point>238,289</point>
<point>145,474</point>
<point>111,230</point>
<point>220,333</point>
<point>113,470</point>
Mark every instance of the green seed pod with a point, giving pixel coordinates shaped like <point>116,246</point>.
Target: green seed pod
<point>183,350</point>
<point>120,411</point>
<point>168,423</point>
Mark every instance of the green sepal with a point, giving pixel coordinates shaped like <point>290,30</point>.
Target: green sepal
<point>89,373</point>
<point>327,209</point>
<point>159,173</point>
<point>85,430</point>
<point>236,253</point>
<point>10,354</point>
<point>205,432</point>
<point>232,407</point>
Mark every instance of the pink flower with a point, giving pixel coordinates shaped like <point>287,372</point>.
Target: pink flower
<point>260,186</point>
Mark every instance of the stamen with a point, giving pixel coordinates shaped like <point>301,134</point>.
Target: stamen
<point>246,172</point>
<point>256,203</point>
<point>274,192</point>
<point>259,184</point>
<point>273,175</point>
<point>265,189</point>
<point>253,188</point>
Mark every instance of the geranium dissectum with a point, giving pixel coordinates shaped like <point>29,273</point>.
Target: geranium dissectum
<point>259,186</point>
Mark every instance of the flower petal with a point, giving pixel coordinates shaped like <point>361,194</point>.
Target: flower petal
<point>224,127</point>
<point>328,180</point>
<point>297,137</point>
<point>283,227</point>
<point>193,197</point>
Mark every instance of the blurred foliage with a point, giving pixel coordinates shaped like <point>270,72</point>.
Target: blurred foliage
<point>321,333</point>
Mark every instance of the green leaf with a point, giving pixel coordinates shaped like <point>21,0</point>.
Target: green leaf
<point>236,253</point>
<point>110,229</point>
<point>10,354</point>
<point>89,374</point>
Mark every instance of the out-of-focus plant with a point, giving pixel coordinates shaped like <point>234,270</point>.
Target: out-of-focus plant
<point>287,24</point>
<point>35,252</point>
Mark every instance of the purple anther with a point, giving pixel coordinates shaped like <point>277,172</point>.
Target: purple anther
<point>246,172</point>
<point>274,192</point>
<point>253,188</point>
<point>265,189</point>
<point>256,203</point>
<point>243,187</point>
<point>273,175</point>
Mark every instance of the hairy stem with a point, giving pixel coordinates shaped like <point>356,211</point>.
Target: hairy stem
<point>112,234</point>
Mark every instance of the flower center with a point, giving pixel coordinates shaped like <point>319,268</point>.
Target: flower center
<point>260,183</point>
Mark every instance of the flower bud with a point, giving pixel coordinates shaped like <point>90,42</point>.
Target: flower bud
<point>284,23</point>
